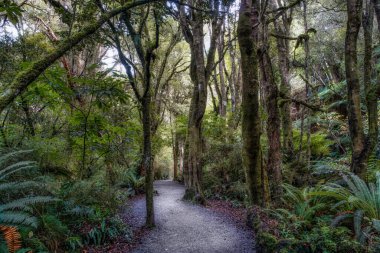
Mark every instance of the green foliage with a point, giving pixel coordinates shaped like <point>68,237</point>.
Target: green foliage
<point>18,191</point>
<point>12,10</point>
<point>304,226</point>
<point>331,166</point>
<point>107,231</point>
<point>18,199</point>
<point>302,208</point>
<point>357,195</point>
<point>127,178</point>
<point>54,231</point>
<point>327,218</point>
<point>223,171</point>
<point>320,143</point>
<point>360,202</point>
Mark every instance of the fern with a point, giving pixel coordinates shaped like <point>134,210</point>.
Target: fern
<point>12,238</point>
<point>302,207</point>
<point>24,203</point>
<point>12,169</point>
<point>19,185</point>
<point>18,218</point>
<point>359,198</point>
<point>16,211</point>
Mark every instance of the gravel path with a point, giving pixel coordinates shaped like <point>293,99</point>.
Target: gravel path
<point>183,228</point>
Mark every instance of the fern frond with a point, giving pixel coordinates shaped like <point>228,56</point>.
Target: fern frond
<point>12,238</point>
<point>23,203</point>
<point>13,154</point>
<point>15,186</point>
<point>18,218</point>
<point>12,169</point>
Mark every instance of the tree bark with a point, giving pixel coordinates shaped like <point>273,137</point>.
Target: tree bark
<point>282,28</point>
<point>354,11</point>
<point>223,98</point>
<point>274,164</point>
<point>376,5</point>
<point>233,79</point>
<point>147,158</point>
<point>176,153</point>
<point>196,113</point>
<point>370,88</point>
<point>200,73</point>
<point>247,33</point>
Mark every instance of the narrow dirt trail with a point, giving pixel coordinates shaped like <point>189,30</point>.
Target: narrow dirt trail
<point>183,228</point>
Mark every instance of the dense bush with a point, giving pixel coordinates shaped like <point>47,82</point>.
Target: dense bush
<point>328,218</point>
<point>51,215</point>
<point>223,171</point>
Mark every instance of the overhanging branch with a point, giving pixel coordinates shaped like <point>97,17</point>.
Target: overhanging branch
<point>26,77</point>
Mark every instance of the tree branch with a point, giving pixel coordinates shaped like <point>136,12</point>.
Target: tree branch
<point>26,77</point>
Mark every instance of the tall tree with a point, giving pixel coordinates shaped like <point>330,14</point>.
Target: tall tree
<point>145,47</point>
<point>192,22</point>
<point>370,88</point>
<point>282,30</point>
<point>247,31</point>
<point>354,15</point>
<point>271,96</point>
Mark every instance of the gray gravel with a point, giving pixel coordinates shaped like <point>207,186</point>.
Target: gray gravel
<point>182,227</point>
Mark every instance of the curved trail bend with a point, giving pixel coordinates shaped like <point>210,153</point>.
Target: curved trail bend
<point>185,228</point>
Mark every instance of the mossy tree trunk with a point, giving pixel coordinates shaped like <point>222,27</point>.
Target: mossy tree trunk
<point>200,73</point>
<point>147,160</point>
<point>354,11</point>
<point>223,92</point>
<point>247,33</point>
<point>282,29</point>
<point>273,126</point>
<point>369,87</point>
<point>196,113</point>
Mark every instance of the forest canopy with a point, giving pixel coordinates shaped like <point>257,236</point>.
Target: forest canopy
<point>267,106</point>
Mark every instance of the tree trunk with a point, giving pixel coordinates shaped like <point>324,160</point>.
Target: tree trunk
<point>196,113</point>
<point>369,88</point>
<point>376,5</point>
<point>247,33</point>
<point>200,73</point>
<point>175,156</point>
<point>223,93</point>
<point>147,158</point>
<point>282,28</point>
<point>28,117</point>
<point>308,90</point>
<point>233,79</point>
<point>274,164</point>
<point>354,11</point>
